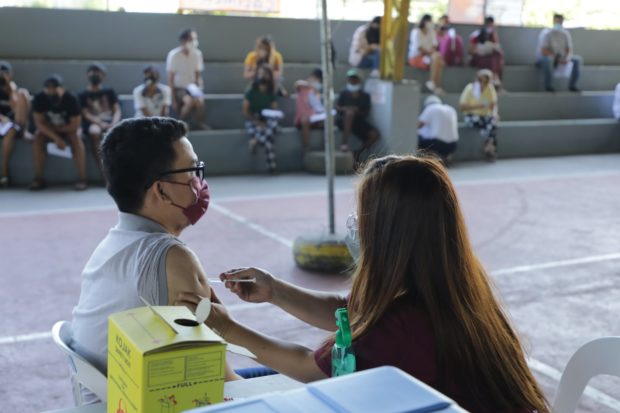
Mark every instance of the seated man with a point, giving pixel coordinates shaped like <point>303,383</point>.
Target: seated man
<point>353,108</point>
<point>184,65</point>
<point>57,119</point>
<point>308,104</point>
<point>438,129</point>
<point>555,51</point>
<point>151,98</point>
<point>159,193</point>
<point>14,108</point>
<point>100,108</point>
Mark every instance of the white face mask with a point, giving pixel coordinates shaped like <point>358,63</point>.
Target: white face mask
<point>316,86</point>
<point>193,44</point>
<point>354,88</point>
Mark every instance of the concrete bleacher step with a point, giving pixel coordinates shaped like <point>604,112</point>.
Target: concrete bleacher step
<point>224,111</point>
<point>528,139</point>
<point>226,152</point>
<point>226,78</point>
<point>547,106</point>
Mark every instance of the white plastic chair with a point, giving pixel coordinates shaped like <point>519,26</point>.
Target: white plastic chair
<point>82,372</point>
<point>600,356</point>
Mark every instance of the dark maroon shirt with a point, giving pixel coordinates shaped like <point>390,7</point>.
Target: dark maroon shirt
<point>404,339</point>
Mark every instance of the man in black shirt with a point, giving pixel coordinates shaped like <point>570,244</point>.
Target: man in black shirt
<point>100,108</point>
<point>14,108</point>
<point>353,109</point>
<point>57,119</point>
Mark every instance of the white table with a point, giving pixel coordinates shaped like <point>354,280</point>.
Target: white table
<point>239,389</point>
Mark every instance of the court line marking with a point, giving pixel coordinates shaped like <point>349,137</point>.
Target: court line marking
<point>594,394</point>
<point>258,228</point>
<point>557,264</point>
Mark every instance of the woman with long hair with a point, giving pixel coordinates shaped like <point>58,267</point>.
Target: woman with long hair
<point>264,53</point>
<point>420,299</point>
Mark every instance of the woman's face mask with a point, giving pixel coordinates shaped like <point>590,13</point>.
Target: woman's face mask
<point>352,238</point>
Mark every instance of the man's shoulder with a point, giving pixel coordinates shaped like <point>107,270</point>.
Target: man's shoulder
<point>138,89</point>
<point>175,51</point>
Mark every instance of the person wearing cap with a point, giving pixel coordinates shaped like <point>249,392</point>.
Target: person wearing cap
<point>151,98</point>
<point>308,104</point>
<point>438,129</point>
<point>185,65</point>
<point>353,108</point>
<point>100,108</point>
<point>478,103</point>
<point>57,119</point>
<point>14,108</point>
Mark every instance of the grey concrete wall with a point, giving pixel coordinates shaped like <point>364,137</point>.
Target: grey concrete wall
<point>81,34</point>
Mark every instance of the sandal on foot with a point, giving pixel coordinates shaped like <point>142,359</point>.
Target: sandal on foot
<point>80,186</point>
<point>37,185</point>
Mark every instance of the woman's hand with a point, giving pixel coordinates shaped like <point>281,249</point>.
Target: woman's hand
<point>258,292</point>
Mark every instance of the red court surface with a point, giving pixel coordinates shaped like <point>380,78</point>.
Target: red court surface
<point>550,239</point>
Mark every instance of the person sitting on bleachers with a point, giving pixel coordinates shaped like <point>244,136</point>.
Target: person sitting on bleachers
<point>353,108</point>
<point>57,119</point>
<point>438,129</point>
<point>265,53</point>
<point>486,51</point>
<point>361,53</point>
<point>308,104</point>
<point>100,108</point>
<point>450,43</point>
<point>14,108</point>
<point>423,53</point>
<point>261,96</point>
<point>151,98</point>
<point>478,103</point>
<point>184,65</point>
<point>616,106</point>
<point>555,55</point>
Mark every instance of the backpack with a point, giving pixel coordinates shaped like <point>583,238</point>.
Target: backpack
<point>451,48</point>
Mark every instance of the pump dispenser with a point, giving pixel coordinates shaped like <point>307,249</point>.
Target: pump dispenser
<point>343,358</point>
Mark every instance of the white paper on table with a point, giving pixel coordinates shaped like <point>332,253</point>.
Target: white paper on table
<point>194,90</point>
<point>271,113</point>
<point>563,70</point>
<point>54,150</point>
<point>4,128</point>
<point>320,117</point>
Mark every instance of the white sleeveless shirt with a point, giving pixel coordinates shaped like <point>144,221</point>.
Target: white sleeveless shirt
<point>129,263</point>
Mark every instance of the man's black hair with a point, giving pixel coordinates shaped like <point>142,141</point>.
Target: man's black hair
<point>96,67</point>
<point>318,73</point>
<point>5,66</point>
<point>53,81</point>
<point>134,153</point>
<point>425,18</point>
<point>186,34</point>
<point>150,68</point>
<point>489,19</point>
<point>558,16</point>
<point>376,20</point>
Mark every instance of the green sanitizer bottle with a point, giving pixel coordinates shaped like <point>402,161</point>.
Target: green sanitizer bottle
<point>343,358</point>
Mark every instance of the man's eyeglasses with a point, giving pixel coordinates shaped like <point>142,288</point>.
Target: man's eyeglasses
<point>199,170</point>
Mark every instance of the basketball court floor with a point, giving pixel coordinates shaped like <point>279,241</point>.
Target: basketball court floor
<point>547,230</point>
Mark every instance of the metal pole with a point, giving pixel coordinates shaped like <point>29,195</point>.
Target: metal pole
<point>326,43</point>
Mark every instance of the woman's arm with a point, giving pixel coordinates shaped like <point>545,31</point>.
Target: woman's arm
<point>313,307</point>
<point>287,358</point>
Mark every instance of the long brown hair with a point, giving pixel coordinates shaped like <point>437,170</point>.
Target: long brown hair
<point>414,245</point>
